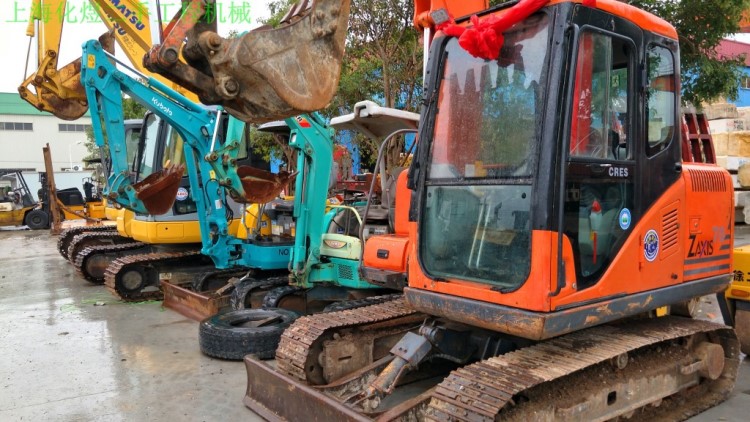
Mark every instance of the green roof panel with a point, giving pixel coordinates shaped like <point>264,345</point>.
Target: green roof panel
<point>11,103</point>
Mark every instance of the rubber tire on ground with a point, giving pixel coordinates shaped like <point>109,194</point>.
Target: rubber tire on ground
<point>222,336</point>
<point>742,328</point>
<point>239,298</point>
<point>37,220</point>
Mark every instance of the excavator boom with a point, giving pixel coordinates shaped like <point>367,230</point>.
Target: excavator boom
<point>59,91</point>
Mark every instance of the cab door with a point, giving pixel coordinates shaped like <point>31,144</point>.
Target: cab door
<point>599,182</point>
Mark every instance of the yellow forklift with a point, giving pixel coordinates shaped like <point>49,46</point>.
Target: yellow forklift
<point>17,206</point>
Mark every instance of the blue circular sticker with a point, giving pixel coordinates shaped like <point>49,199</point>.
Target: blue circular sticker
<point>624,218</point>
<point>651,245</point>
<point>182,194</point>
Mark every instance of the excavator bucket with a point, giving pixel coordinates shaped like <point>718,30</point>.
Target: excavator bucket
<point>158,191</point>
<point>70,108</point>
<point>60,91</point>
<point>265,74</point>
<point>262,186</point>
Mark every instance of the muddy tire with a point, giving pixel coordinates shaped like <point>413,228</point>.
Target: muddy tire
<point>37,220</point>
<point>234,334</point>
<point>742,328</point>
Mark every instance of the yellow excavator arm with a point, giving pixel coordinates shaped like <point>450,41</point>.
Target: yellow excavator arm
<point>59,91</point>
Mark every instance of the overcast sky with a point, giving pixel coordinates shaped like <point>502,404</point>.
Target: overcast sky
<point>78,27</point>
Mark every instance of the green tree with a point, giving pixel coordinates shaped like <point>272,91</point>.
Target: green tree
<point>278,9</point>
<point>701,26</point>
<point>132,109</point>
<point>383,63</point>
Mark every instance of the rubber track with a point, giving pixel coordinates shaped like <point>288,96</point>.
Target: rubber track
<point>126,262</point>
<point>242,290</point>
<point>272,298</point>
<point>114,237</point>
<point>63,240</point>
<point>478,392</point>
<point>297,340</point>
<point>89,252</point>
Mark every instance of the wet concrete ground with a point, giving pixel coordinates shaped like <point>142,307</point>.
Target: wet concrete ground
<point>71,352</point>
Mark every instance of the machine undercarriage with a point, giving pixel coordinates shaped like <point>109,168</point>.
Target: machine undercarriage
<point>595,374</point>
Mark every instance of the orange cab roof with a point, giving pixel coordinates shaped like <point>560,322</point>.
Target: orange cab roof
<point>643,19</point>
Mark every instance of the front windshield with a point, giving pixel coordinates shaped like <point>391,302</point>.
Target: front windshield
<point>476,223</point>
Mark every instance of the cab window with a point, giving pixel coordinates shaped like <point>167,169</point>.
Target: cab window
<point>173,149</point>
<point>660,93</point>
<point>600,103</point>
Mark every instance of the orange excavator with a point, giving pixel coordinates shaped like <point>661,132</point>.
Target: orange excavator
<point>554,212</point>
<point>554,215</point>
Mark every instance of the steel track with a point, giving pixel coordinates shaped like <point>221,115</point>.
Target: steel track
<point>113,280</point>
<point>299,341</point>
<point>67,235</point>
<point>93,239</point>
<point>498,388</point>
<point>91,251</point>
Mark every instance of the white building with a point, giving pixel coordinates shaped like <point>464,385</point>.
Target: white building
<point>24,130</point>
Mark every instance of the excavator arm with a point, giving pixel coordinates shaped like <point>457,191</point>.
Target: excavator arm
<point>59,91</point>
<point>212,166</point>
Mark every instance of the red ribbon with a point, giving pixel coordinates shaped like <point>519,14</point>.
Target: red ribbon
<point>485,37</point>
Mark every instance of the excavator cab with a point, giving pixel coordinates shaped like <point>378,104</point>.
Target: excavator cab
<point>158,169</point>
<point>513,201</point>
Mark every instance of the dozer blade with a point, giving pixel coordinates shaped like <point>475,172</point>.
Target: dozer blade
<point>270,74</point>
<point>60,92</point>
<point>261,186</point>
<point>194,305</point>
<point>269,391</point>
<point>158,191</point>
